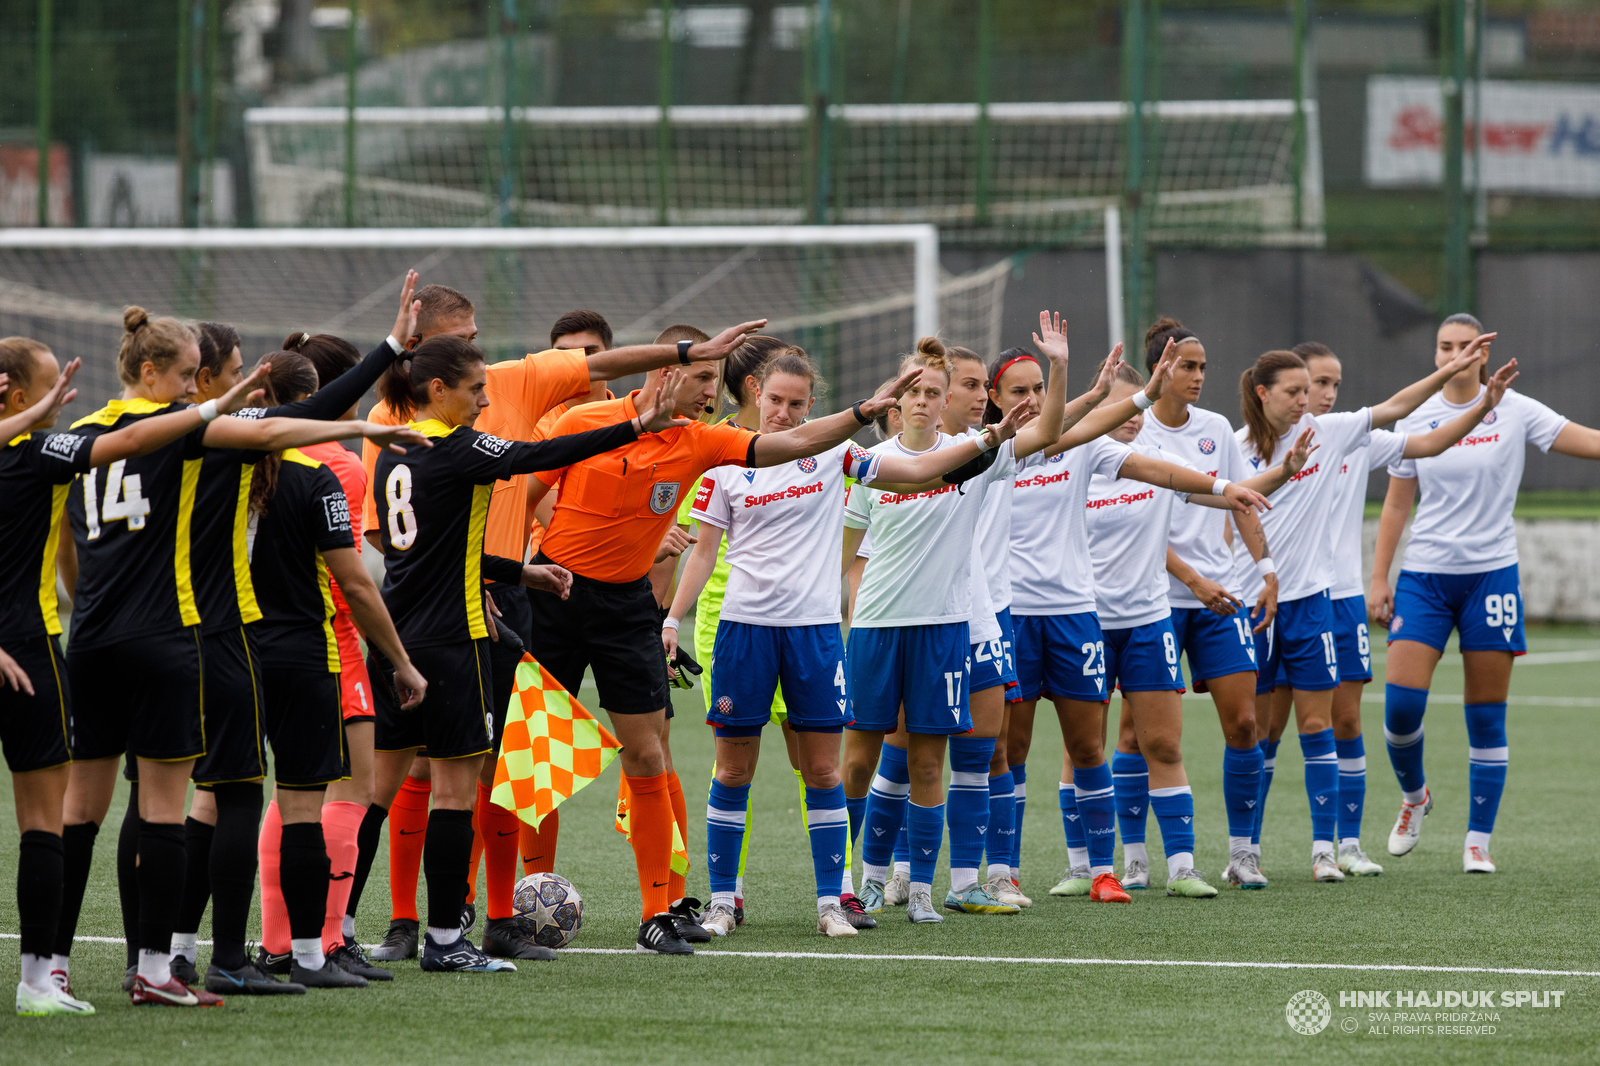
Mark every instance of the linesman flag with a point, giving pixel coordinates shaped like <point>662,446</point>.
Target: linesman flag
<point>550,748</point>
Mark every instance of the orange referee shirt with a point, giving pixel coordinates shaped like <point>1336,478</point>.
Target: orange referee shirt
<point>613,509</point>
<point>521,392</point>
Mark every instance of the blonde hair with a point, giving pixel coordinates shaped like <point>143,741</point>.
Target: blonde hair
<point>930,354</point>
<point>150,340</point>
<point>18,357</point>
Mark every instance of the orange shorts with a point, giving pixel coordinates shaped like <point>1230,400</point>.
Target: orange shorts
<point>355,688</point>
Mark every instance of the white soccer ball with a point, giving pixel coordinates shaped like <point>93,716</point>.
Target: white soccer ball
<point>548,908</point>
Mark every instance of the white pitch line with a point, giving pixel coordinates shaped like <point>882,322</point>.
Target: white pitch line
<point>1211,964</point>
<point>1457,699</point>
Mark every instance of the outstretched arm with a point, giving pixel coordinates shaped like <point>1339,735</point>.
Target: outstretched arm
<point>1410,398</point>
<point>1104,419</point>
<point>1273,478</point>
<point>148,434</point>
<point>1436,440</point>
<point>275,434</point>
<point>1162,474</point>
<point>820,434</point>
<point>639,358</point>
<point>1048,427</point>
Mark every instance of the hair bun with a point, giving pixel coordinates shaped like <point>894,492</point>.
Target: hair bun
<point>1164,324</point>
<point>134,317</point>
<point>930,346</point>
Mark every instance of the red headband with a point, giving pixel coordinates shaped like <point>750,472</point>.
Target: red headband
<point>994,382</point>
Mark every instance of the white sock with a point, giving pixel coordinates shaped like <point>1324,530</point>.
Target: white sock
<point>1077,857</point>
<point>308,952</point>
<point>1179,861</point>
<point>1476,839</point>
<point>847,885</point>
<point>1349,842</point>
<point>963,878</point>
<point>444,937</point>
<point>1096,871</point>
<point>1134,852</point>
<point>902,868</point>
<point>824,902</point>
<point>60,962</point>
<point>348,926</point>
<point>998,871</point>
<point>1255,849</point>
<point>920,886</point>
<point>1417,796</point>
<point>738,887</point>
<point>36,972</point>
<point>1238,844</point>
<point>155,967</point>
<point>724,898</point>
<point>183,944</point>
<point>1321,845</point>
<point>874,873</point>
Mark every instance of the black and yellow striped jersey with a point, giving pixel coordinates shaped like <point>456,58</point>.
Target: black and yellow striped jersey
<point>222,584</point>
<point>36,471</point>
<point>307,515</point>
<point>131,521</point>
<point>432,504</point>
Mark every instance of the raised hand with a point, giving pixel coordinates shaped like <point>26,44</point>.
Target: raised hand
<point>1161,376</point>
<point>890,394</point>
<point>1295,460</point>
<point>1499,381</point>
<point>722,344</point>
<point>394,438</point>
<point>1015,419</point>
<point>1244,499</point>
<point>405,320</point>
<point>1108,372</point>
<point>245,393</point>
<point>1052,338</point>
<point>1466,357</point>
<point>60,394</point>
<point>663,410</point>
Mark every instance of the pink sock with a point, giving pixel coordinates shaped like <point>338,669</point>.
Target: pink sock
<point>341,821</point>
<point>274,915</point>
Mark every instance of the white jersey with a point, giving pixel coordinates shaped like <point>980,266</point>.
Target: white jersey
<point>1051,571</point>
<point>1463,523</point>
<point>984,626</point>
<point>920,570</point>
<point>1127,523</point>
<point>1350,502</point>
<point>783,526</point>
<point>993,541</point>
<point>1297,527</point>
<point>1205,442</point>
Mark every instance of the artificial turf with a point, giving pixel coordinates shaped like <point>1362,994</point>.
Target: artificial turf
<point>1538,912</point>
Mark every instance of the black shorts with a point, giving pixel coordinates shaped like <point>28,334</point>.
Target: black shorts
<point>614,628</point>
<point>453,719</point>
<point>517,616</point>
<point>305,724</point>
<point>233,686</point>
<point>33,729</point>
<point>143,697</point>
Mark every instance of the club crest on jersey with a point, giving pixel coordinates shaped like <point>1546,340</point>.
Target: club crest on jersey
<point>1058,456</point>
<point>489,444</point>
<point>1207,445</point>
<point>724,705</point>
<point>663,496</point>
<point>808,464</point>
<point>1489,418</point>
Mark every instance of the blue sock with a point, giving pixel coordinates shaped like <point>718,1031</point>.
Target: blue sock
<point>1019,776</point>
<point>1000,842</point>
<point>1098,805</point>
<point>1402,730</point>
<point>826,820</point>
<point>1241,788</point>
<point>725,815</point>
<point>1071,820</point>
<point>1130,778</point>
<point>1269,762</point>
<point>925,826</point>
<point>966,806</point>
<point>1322,783</point>
<point>902,843</point>
<point>1174,809</point>
<point>1352,786</point>
<point>886,807</point>
<point>856,808</point>
<point>1487,753</point>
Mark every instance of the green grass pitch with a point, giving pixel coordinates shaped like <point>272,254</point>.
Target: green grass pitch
<point>1539,912</point>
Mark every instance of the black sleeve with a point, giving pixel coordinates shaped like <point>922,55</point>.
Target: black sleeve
<point>328,511</point>
<point>499,568</point>
<point>972,467</point>
<point>525,457</point>
<point>60,457</point>
<point>336,397</point>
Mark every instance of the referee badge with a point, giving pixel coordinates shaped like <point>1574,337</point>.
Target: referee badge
<point>663,496</point>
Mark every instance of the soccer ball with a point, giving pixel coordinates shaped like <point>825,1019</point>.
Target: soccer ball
<point>548,909</point>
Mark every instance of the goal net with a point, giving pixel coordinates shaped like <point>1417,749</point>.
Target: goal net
<point>854,297</point>
<point>1226,170</point>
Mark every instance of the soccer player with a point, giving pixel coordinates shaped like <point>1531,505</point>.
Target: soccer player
<point>780,625</point>
<point>1274,394</point>
<point>1349,605</point>
<point>608,523</point>
<point>1459,572</point>
<point>431,515</point>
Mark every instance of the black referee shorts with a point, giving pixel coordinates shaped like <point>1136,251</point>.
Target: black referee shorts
<point>613,628</point>
<point>233,690</point>
<point>142,697</point>
<point>453,719</point>
<point>517,616</point>
<point>305,723</point>
<point>33,729</point>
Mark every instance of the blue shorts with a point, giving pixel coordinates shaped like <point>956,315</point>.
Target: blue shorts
<point>1269,659</point>
<point>1485,608</point>
<point>808,660</point>
<point>992,662</point>
<point>1216,646</point>
<point>1350,639</point>
<point>1143,658</point>
<point>1306,654</point>
<point>923,668</point>
<point>1060,655</point>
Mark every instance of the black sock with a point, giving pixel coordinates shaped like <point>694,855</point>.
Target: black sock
<point>233,870</point>
<point>39,864</point>
<point>303,875</point>
<point>445,858</point>
<point>77,855</point>
<point>160,883</point>
<point>367,838</point>
<point>128,874</point>
<point>196,875</point>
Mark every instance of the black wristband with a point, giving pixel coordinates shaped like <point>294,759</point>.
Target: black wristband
<point>855,409</point>
<point>683,351</point>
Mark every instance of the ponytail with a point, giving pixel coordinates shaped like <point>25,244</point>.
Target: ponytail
<point>404,386</point>
<point>746,361</point>
<point>1265,373</point>
<point>930,354</point>
<point>1161,331</point>
<point>291,377</point>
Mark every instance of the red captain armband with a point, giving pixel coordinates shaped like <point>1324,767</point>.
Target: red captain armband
<point>702,495</point>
